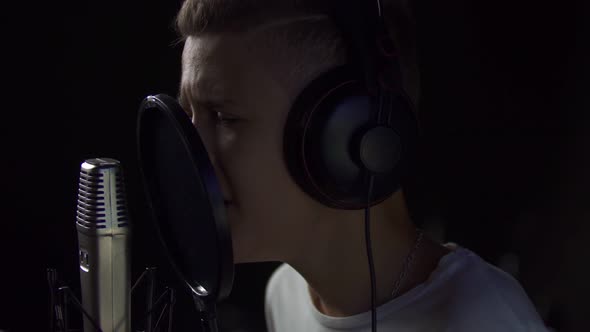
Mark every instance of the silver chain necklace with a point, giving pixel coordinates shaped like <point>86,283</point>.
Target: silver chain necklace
<point>407,263</point>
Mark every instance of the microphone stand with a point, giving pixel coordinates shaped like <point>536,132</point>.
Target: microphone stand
<point>207,313</point>
<point>62,296</point>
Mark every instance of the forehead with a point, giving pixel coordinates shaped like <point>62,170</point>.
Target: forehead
<point>205,59</point>
<point>228,68</point>
<point>203,49</point>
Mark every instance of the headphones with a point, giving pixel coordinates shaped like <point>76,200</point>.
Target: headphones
<point>352,132</point>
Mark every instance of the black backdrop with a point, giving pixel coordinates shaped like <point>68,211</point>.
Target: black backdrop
<point>503,108</point>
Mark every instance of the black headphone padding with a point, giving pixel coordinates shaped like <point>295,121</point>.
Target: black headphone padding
<point>323,134</point>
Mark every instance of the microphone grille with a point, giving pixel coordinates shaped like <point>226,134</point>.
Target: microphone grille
<point>101,195</point>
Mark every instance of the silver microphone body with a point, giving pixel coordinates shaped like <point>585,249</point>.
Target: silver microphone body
<point>102,222</point>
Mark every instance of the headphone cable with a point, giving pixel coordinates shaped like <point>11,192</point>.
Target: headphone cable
<point>370,256</point>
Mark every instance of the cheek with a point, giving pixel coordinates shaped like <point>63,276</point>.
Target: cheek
<point>253,166</point>
<point>258,177</point>
<point>269,220</point>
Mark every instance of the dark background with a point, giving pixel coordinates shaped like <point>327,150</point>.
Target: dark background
<point>504,110</point>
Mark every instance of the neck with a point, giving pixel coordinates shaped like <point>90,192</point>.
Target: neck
<point>334,262</point>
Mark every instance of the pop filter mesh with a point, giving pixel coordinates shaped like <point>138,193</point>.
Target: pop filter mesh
<point>185,197</point>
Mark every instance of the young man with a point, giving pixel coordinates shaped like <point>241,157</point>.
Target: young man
<point>244,63</point>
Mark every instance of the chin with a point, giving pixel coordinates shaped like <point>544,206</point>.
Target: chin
<point>239,253</point>
<point>240,259</point>
<point>248,244</point>
<point>246,253</point>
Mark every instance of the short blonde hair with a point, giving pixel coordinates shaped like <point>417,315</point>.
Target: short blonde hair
<point>309,46</point>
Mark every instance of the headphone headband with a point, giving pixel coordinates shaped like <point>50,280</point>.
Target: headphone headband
<point>354,123</point>
<point>369,46</point>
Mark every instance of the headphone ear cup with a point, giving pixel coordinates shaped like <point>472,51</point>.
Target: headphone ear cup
<point>321,142</point>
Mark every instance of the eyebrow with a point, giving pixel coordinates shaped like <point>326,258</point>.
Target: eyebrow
<point>185,101</point>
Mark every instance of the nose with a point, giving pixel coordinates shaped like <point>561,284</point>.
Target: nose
<point>221,177</point>
<point>207,137</point>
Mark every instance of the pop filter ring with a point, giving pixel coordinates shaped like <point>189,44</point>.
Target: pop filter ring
<point>204,169</point>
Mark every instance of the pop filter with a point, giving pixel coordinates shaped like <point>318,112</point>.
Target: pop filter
<point>185,197</point>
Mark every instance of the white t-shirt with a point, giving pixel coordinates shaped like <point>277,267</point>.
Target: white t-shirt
<point>463,294</point>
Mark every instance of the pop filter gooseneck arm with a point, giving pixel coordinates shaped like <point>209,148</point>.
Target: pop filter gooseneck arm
<point>208,313</point>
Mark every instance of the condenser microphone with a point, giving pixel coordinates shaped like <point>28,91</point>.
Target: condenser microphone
<point>103,237</point>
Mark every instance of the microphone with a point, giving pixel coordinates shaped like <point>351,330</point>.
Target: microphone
<point>102,222</point>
